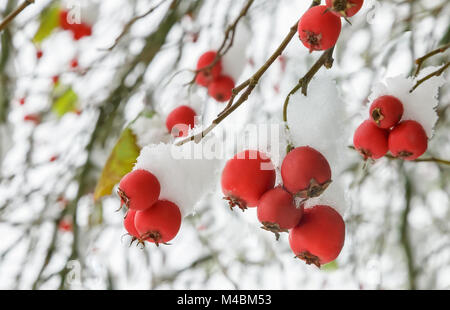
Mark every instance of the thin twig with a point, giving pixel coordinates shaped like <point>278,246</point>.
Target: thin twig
<point>422,59</point>
<point>14,13</point>
<point>429,76</point>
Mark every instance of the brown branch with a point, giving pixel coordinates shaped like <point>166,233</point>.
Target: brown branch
<point>128,25</point>
<point>14,13</point>
<point>249,85</point>
<point>429,76</point>
<point>422,59</point>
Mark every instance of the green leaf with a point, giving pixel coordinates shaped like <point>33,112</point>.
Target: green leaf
<point>333,266</point>
<point>49,21</point>
<point>120,162</point>
<point>67,102</point>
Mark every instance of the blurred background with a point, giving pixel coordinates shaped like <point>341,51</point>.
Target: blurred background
<point>66,100</point>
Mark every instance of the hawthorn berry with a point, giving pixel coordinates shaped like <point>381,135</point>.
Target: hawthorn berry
<point>63,20</point>
<point>74,63</point>
<point>305,172</point>
<point>344,8</point>
<point>39,54</point>
<point>319,29</point>
<point>22,101</point>
<point>55,79</point>
<point>278,212</point>
<point>408,140</point>
<point>139,190</point>
<point>221,88</point>
<point>246,177</point>
<point>65,225</point>
<point>319,237</point>
<point>34,118</point>
<point>160,223</point>
<point>128,223</point>
<point>205,73</point>
<point>370,140</point>
<point>81,30</point>
<point>386,111</point>
<point>180,120</point>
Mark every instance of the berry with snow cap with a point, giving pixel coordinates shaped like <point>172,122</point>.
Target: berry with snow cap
<point>386,111</point>
<point>139,190</point>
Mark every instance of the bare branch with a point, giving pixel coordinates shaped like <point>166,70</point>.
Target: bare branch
<point>14,13</point>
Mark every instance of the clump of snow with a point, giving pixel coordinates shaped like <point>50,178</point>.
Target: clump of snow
<point>319,120</point>
<point>235,60</point>
<point>150,130</point>
<point>419,105</point>
<point>185,174</point>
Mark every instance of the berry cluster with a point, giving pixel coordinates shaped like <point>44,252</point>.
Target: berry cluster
<point>319,28</point>
<point>385,131</point>
<point>316,235</point>
<point>79,30</point>
<point>209,74</point>
<point>148,218</point>
<point>180,120</point>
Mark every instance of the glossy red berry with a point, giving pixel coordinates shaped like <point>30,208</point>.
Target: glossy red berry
<point>345,8</point>
<point>319,237</point>
<point>139,190</point>
<point>319,29</point>
<point>278,212</point>
<point>371,141</point>
<point>160,223</point>
<point>386,111</point>
<point>246,177</point>
<point>180,120</point>
<point>305,172</point>
<point>207,74</point>
<point>221,89</point>
<point>128,223</point>
<point>408,140</point>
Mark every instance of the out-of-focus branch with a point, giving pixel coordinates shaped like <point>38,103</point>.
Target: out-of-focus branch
<point>14,13</point>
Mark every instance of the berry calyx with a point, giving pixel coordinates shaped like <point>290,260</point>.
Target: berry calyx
<point>319,29</point>
<point>221,88</point>
<point>246,177</point>
<point>319,237</point>
<point>180,120</point>
<point>386,111</point>
<point>139,190</point>
<point>205,72</point>
<point>278,212</point>
<point>408,140</point>
<point>305,172</point>
<point>370,140</point>
<point>160,223</point>
<point>344,8</point>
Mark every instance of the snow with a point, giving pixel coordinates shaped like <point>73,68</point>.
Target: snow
<point>319,121</point>
<point>150,130</point>
<point>235,60</point>
<point>185,180</point>
<point>419,105</point>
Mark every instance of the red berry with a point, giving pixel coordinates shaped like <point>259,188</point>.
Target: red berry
<point>160,223</point>
<point>207,75</point>
<point>277,211</point>
<point>128,223</point>
<point>305,172</point>
<point>319,237</point>
<point>319,29</point>
<point>53,158</point>
<point>221,89</point>
<point>80,31</point>
<point>55,79</point>
<point>345,8</point>
<point>246,177</point>
<point>180,120</point>
<point>386,111</point>
<point>39,54</point>
<point>371,141</point>
<point>63,20</point>
<point>139,190</point>
<point>22,101</point>
<point>65,225</point>
<point>408,140</point>
<point>74,63</point>
<point>35,118</point>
